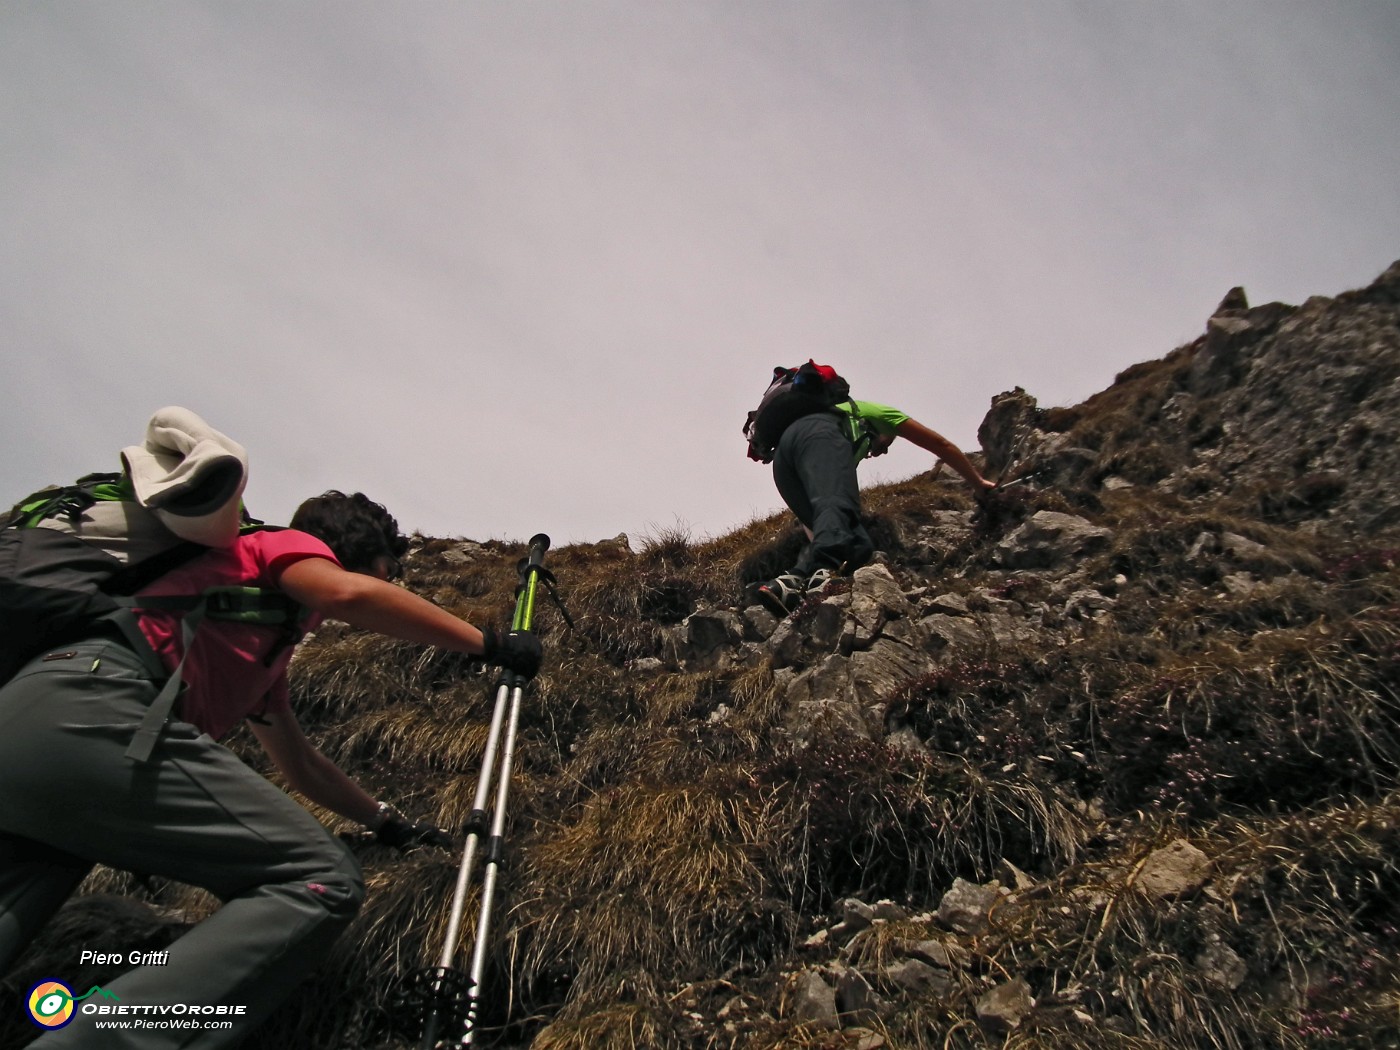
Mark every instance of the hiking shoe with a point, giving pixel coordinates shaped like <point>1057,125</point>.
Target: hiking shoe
<point>816,583</point>
<point>781,595</point>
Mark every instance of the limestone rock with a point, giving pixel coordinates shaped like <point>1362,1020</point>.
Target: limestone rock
<point>863,1039</point>
<point>759,623</point>
<point>967,905</point>
<point>935,953</point>
<point>889,911</point>
<point>855,916</point>
<point>813,1001</point>
<point>1009,431</point>
<point>463,553</point>
<point>833,719</point>
<point>1005,1006</point>
<point>1220,965</point>
<point>1051,538</point>
<point>887,665</point>
<point>874,590</point>
<point>856,1001</point>
<point>948,605</point>
<point>1235,301</point>
<point>952,637</point>
<point>914,977</point>
<point>1173,870</point>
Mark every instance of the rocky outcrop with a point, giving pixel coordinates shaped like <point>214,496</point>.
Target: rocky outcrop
<point>1051,539</point>
<point>1305,398</point>
<point>1295,403</point>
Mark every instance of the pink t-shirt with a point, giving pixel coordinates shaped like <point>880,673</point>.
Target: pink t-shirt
<point>234,669</point>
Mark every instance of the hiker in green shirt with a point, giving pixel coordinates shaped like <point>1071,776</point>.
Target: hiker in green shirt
<point>814,467</point>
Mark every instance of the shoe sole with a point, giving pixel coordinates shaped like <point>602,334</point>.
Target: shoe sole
<point>774,603</point>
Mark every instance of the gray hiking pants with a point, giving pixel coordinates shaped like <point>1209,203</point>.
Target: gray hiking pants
<point>70,798</point>
<point>814,468</point>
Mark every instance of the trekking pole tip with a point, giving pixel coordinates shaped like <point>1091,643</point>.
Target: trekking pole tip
<point>540,541</point>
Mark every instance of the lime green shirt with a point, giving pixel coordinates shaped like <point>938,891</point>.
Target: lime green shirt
<point>868,416</point>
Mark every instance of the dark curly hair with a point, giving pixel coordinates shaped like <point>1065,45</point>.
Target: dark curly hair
<point>356,529</point>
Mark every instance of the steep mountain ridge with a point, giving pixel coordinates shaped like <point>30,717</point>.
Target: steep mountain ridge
<point>1294,406</point>
<point>1106,760</point>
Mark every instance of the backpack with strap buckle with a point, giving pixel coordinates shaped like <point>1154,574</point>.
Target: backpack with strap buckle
<point>793,393</point>
<point>73,557</point>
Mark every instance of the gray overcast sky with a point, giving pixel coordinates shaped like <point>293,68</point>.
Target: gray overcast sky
<point>513,267</point>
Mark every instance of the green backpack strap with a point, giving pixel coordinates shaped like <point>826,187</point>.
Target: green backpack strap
<point>69,500</point>
<point>256,605</point>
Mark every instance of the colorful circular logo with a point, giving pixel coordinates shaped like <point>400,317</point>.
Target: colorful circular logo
<point>50,1004</point>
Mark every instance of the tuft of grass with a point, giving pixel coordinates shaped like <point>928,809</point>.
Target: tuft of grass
<point>640,876</point>
<point>862,820</point>
<point>1297,717</point>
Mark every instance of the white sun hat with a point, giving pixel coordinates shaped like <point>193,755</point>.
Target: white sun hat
<point>191,476</point>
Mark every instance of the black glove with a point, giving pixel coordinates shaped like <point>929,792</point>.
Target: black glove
<point>518,651</point>
<point>404,835</point>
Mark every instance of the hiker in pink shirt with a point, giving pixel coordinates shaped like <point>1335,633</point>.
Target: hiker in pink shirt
<point>190,810</point>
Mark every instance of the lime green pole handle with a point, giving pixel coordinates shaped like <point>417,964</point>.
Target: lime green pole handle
<point>530,570</point>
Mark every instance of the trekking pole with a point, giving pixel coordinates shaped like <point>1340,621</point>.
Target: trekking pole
<point>443,997</point>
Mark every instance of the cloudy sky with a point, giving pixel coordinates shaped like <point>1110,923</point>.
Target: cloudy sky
<point>514,266</point>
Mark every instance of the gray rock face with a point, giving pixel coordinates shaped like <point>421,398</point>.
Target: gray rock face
<point>849,652</point>
<point>966,906</point>
<point>814,1001</point>
<point>1174,869</point>
<point>1309,390</point>
<point>1005,1006</point>
<point>1009,430</point>
<point>1050,538</point>
<point>1300,402</point>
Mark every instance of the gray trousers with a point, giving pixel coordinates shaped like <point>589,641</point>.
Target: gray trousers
<point>814,468</point>
<point>70,798</point>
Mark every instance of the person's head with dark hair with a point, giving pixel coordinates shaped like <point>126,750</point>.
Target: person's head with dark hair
<point>362,535</point>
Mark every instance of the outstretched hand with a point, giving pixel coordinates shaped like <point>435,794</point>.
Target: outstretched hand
<point>984,490</point>
<point>518,651</point>
<point>404,835</point>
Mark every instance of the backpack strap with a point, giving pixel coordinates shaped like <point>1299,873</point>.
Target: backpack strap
<point>257,605</point>
<point>148,732</point>
<point>252,605</point>
<point>249,605</point>
<point>69,500</point>
<point>866,439</point>
<point>137,577</point>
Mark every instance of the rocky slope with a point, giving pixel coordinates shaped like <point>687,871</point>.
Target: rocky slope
<point>1106,760</point>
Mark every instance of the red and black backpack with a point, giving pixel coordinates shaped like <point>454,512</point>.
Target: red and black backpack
<point>793,393</point>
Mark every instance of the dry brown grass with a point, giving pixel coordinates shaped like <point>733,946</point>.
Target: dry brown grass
<point>652,849</point>
<point>639,877</point>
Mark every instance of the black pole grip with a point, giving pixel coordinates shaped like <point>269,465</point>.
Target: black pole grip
<point>539,543</point>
